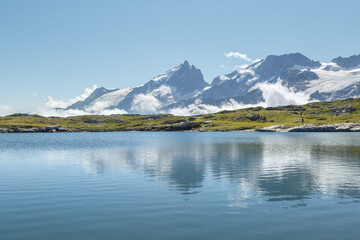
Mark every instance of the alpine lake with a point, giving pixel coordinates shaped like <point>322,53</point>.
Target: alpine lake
<point>179,185</point>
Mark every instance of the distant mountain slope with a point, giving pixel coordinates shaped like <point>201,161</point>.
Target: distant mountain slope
<point>275,80</point>
<point>178,84</point>
<point>97,93</point>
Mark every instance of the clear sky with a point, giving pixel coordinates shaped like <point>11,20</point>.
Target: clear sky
<point>60,47</point>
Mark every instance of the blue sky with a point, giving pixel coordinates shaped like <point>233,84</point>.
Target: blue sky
<point>59,48</point>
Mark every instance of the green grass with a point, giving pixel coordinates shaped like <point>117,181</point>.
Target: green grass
<point>317,113</point>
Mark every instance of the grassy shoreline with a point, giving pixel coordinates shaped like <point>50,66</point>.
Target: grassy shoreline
<point>249,119</point>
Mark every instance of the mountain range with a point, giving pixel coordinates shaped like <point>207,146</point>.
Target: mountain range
<point>276,80</point>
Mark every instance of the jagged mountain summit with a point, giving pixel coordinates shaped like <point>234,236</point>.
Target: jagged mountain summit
<point>275,80</point>
<point>178,84</point>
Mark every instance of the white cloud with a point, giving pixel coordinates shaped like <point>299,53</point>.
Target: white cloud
<point>75,112</point>
<point>51,102</point>
<point>278,95</point>
<point>145,104</point>
<point>243,56</point>
<point>199,108</point>
<point>54,107</point>
<point>34,94</point>
<point>222,66</point>
<point>5,110</point>
<point>273,95</point>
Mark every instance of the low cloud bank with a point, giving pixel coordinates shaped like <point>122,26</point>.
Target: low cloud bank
<point>273,94</point>
<point>75,112</point>
<point>199,108</point>
<point>52,103</point>
<point>54,107</point>
<point>145,104</point>
<point>278,95</point>
<point>5,110</point>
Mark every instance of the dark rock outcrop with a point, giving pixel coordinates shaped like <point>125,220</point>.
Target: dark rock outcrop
<point>349,62</point>
<point>33,129</point>
<point>184,126</point>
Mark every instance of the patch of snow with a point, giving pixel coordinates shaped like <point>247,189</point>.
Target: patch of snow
<point>159,77</point>
<point>252,80</point>
<point>203,90</point>
<point>223,78</point>
<point>257,61</point>
<point>243,73</point>
<point>247,71</point>
<point>256,64</point>
<point>166,76</point>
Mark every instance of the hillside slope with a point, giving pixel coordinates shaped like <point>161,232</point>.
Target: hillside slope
<point>249,119</point>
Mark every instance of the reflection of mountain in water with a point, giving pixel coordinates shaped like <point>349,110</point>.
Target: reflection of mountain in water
<point>281,167</point>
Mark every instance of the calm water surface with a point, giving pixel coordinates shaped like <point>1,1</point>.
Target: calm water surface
<point>180,186</point>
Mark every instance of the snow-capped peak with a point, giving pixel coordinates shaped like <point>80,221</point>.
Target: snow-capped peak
<point>166,76</point>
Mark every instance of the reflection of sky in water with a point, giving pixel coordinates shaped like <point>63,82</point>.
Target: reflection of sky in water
<point>280,171</point>
<point>179,185</point>
<point>265,167</point>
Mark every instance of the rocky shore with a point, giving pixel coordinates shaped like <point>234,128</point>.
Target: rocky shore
<point>181,126</point>
<point>33,129</point>
<point>188,126</point>
<point>341,127</point>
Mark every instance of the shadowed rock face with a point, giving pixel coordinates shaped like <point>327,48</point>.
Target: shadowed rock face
<point>276,65</point>
<point>187,79</point>
<point>349,62</point>
<point>294,78</point>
